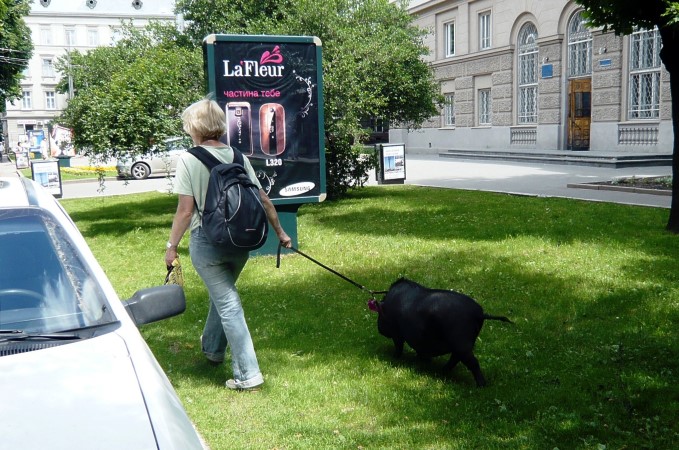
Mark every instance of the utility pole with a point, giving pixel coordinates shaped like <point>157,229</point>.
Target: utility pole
<point>70,75</point>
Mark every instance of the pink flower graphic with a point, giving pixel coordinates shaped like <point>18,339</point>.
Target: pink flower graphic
<point>274,56</point>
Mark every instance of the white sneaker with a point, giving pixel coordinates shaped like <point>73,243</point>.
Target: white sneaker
<point>248,385</point>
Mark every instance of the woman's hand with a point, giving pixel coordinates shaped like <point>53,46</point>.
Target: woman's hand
<point>170,256</point>
<point>284,239</point>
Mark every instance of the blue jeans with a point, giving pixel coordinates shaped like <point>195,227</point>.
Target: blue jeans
<point>219,268</point>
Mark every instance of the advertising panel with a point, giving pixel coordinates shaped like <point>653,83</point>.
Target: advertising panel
<point>392,164</point>
<point>270,88</point>
<point>61,141</point>
<point>48,174</point>
<point>37,142</point>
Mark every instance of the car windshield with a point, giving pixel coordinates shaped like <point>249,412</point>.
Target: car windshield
<point>44,284</point>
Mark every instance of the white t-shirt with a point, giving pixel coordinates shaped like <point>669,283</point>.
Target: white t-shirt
<point>192,177</point>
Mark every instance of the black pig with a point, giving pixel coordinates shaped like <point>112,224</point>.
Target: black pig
<point>433,322</point>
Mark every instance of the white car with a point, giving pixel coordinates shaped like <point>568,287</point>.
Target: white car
<point>75,373</point>
<point>160,161</point>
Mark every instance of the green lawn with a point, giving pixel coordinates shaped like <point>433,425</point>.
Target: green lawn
<point>591,361</point>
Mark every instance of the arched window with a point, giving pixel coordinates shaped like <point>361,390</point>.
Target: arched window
<point>528,74</point>
<point>579,47</point>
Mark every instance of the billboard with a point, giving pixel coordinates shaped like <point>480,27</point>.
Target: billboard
<point>271,91</point>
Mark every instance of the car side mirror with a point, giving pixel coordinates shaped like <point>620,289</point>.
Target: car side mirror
<point>155,303</point>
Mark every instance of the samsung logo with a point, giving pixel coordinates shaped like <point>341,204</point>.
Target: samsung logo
<point>297,189</point>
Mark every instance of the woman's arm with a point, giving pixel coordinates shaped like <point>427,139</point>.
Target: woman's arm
<point>180,223</point>
<point>272,215</point>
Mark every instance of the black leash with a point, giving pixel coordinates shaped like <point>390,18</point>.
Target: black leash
<point>278,265</point>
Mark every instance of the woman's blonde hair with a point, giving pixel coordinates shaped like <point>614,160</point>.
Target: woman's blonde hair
<point>204,119</point>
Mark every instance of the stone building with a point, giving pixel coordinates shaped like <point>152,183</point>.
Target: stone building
<point>530,74</point>
<point>56,27</point>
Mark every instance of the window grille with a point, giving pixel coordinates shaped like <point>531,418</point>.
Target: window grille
<point>528,74</point>
<point>449,111</point>
<point>579,47</point>
<point>644,82</point>
<point>484,107</point>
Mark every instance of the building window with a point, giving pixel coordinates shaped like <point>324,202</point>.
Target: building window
<point>46,35</point>
<point>92,37</point>
<point>484,107</point>
<point>26,100</point>
<point>449,110</point>
<point>484,30</point>
<point>50,100</point>
<point>579,47</point>
<point>528,74</point>
<point>116,35</point>
<point>644,77</point>
<point>47,68</point>
<point>70,36</point>
<point>449,29</point>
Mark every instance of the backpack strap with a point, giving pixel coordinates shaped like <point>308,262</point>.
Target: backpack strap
<point>210,161</point>
<point>238,157</point>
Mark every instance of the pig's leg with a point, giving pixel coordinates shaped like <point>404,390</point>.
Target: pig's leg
<point>472,364</point>
<point>452,362</point>
<point>398,347</point>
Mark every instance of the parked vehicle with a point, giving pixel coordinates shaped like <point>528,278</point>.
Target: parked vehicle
<point>159,161</point>
<point>75,373</point>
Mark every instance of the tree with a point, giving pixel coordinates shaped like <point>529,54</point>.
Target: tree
<point>372,65</point>
<point>623,17</point>
<point>130,96</point>
<point>15,48</point>
<point>234,16</point>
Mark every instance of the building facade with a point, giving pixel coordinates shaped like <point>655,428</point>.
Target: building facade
<point>58,26</point>
<point>530,74</point>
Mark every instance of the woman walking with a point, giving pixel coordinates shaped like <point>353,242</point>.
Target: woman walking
<point>218,267</point>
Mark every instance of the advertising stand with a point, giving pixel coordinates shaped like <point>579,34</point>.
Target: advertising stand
<point>271,91</point>
<point>391,164</point>
<point>21,160</point>
<point>48,175</point>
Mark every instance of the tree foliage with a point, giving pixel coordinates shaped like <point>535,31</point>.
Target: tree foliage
<point>372,65</point>
<point>16,48</point>
<point>623,17</point>
<point>131,95</point>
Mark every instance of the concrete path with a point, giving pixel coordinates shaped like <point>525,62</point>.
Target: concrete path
<point>536,179</point>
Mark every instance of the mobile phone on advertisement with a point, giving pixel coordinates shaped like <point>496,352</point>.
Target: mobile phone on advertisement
<point>272,129</point>
<point>239,126</point>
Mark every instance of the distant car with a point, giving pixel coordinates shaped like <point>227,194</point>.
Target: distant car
<point>160,161</point>
<point>75,373</point>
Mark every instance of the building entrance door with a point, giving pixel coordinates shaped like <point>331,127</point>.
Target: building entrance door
<point>579,113</point>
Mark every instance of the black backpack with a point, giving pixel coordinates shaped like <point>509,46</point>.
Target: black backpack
<point>233,215</point>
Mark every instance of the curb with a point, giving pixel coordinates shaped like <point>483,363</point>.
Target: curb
<point>634,190</point>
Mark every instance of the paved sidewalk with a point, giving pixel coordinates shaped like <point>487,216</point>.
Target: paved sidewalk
<point>534,179</point>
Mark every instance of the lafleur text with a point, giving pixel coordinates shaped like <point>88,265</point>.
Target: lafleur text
<point>251,69</point>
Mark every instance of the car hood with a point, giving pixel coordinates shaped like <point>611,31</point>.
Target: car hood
<point>82,395</point>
